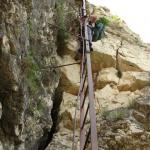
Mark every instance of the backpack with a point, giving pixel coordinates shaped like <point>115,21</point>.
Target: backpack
<point>98,31</point>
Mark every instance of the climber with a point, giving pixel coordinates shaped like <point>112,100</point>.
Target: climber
<point>98,31</point>
<point>90,27</point>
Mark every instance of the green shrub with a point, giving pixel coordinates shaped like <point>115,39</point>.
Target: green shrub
<point>72,23</point>
<point>40,105</point>
<point>116,19</point>
<point>103,111</point>
<point>30,69</point>
<point>103,20</point>
<point>115,115</point>
<point>62,35</point>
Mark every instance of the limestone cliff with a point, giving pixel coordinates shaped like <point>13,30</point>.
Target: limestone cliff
<point>38,99</point>
<point>122,101</point>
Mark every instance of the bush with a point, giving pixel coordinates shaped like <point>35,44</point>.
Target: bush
<point>116,19</point>
<point>115,115</point>
<point>30,69</point>
<point>62,35</point>
<point>103,20</point>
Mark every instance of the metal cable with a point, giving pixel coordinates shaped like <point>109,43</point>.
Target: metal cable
<point>67,31</point>
<point>82,63</point>
<point>74,125</point>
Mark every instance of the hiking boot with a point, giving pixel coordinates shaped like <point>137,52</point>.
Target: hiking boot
<point>77,57</point>
<point>91,49</point>
<point>80,50</point>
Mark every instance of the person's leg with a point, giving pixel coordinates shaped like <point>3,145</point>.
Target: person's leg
<point>80,50</point>
<point>90,45</point>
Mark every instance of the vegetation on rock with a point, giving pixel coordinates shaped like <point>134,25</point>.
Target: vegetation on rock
<point>31,69</point>
<point>62,34</point>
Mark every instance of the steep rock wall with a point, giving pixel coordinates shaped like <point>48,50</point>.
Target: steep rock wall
<point>27,78</point>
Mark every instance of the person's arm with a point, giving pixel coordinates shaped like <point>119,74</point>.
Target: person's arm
<point>91,27</point>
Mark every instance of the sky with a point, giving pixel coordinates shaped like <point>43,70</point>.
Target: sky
<point>136,13</point>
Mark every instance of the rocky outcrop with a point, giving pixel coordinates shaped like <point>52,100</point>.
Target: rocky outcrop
<point>126,131</point>
<point>110,98</point>
<point>62,140</point>
<point>27,79</point>
<point>121,62</point>
<point>130,80</point>
<point>70,77</point>
<point>142,112</point>
<point>122,135</point>
<point>131,56</point>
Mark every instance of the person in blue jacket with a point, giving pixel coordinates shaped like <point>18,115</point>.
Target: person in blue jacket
<point>98,31</point>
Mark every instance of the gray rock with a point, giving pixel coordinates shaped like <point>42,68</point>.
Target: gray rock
<point>27,45</point>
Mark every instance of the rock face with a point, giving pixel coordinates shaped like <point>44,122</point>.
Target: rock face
<point>27,85</point>
<point>119,119</point>
<point>129,81</point>
<point>70,76</point>
<point>123,135</point>
<point>131,56</point>
<point>141,111</point>
<point>37,99</point>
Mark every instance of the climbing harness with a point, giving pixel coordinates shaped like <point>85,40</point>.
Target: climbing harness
<point>86,90</point>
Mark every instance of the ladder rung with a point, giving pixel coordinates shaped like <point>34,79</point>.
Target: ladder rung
<point>85,94</point>
<point>87,138</point>
<point>83,66</point>
<point>83,82</point>
<point>85,116</point>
